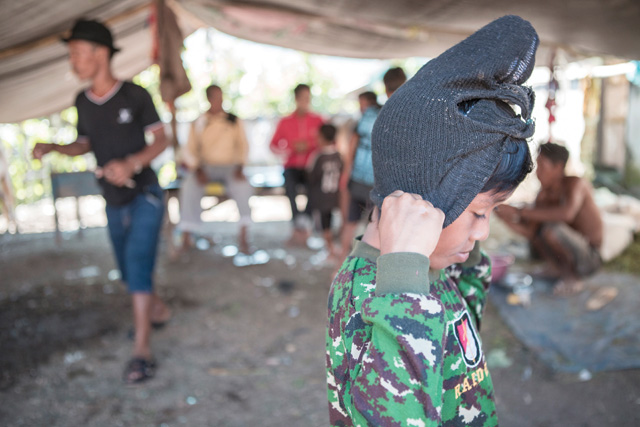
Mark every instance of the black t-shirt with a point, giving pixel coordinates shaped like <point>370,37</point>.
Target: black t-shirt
<point>114,126</point>
<point>324,180</point>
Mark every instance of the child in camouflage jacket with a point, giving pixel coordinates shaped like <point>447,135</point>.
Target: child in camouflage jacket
<point>405,307</point>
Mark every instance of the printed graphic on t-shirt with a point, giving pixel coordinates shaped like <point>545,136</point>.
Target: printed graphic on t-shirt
<point>125,116</point>
<point>330,176</point>
<point>467,340</point>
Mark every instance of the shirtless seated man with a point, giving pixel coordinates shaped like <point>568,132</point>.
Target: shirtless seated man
<point>564,226</point>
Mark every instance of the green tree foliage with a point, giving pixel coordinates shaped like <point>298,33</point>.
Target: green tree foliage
<point>30,177</point>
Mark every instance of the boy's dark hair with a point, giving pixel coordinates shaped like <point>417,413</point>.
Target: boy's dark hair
<point>514,166</point>
<point>394,78</point>
<point>554,152</point>
<point>211,89</point>
<point>300,88</point>
<point>328,132</point>
<point>370,97</point>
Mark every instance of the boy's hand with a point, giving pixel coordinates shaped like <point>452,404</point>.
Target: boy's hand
<point>409,224</point>
<point>118,172</point>
<point>41,149</point>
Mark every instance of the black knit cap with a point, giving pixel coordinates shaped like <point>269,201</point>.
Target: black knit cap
<point>442,134</point>
<point>92,31</point>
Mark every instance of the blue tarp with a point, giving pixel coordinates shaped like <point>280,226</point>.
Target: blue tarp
<point>570,338</point>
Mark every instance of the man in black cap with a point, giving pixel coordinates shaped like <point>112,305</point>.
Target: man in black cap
<point>113,117</point>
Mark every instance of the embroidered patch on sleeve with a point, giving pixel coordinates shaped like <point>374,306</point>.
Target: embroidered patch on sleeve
<point>467,340</point>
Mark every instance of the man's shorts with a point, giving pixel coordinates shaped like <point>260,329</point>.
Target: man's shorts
<point>360,201</point>
<point>325,220</point>
<point>134,229</point>
<point>586,258</point>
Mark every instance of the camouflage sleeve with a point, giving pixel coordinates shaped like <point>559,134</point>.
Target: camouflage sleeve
<point>475,278</point>
<point>399,379</point>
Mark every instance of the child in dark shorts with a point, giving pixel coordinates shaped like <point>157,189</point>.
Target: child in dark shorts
<point>324,170</point>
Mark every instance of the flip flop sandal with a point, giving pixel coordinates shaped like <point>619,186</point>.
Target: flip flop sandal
<point>601,297</point>
<point>138,370</point>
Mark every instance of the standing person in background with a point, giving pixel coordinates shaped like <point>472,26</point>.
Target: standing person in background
<point>358,176</point>
<point>325,168</point>
<point>113,117</point>
<point>216,151</point>
<point>393,79</point>
<point>358,171</point>
<point>295,137</point>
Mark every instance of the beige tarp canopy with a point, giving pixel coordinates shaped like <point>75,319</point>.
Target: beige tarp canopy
<point>35,79</point>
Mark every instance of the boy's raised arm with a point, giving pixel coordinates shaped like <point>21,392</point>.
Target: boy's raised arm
<point>400,376</point>
<point>408,223</point>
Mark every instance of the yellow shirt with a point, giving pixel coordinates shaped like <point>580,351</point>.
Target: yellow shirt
<point>216,140</point>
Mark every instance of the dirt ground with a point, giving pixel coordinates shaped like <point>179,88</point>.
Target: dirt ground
<point>245,346</point>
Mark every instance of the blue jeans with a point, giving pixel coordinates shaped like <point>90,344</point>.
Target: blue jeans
<point>134,229</point>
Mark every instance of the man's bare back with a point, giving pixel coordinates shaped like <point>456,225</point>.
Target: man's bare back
<point>576,194</point>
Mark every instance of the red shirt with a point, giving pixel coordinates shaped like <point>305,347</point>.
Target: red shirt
<point>296,130</point>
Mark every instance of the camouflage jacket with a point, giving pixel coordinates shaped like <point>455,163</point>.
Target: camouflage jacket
<point>402,350</point>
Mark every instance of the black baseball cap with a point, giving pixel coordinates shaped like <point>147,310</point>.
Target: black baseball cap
<point>93,31</point>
